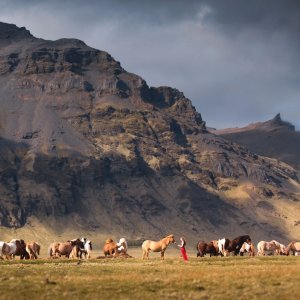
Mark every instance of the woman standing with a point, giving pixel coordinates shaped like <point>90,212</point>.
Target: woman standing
<point>182,248</point>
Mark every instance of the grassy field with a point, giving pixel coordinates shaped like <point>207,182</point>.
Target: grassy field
<point>206,278</point>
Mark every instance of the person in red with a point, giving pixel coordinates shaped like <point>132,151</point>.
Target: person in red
<point>182,248</point>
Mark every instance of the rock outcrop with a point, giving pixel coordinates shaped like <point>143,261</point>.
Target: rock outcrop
<point>86,143</point>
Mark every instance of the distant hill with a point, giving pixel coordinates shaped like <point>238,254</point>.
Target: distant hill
<point>88,147</point>
<point>274,138</point>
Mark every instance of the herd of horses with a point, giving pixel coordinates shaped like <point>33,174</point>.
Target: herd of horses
<point>82,248</point>
<point>243,244</point>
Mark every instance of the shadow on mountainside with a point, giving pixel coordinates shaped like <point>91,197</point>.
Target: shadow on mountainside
<point>111,194</point>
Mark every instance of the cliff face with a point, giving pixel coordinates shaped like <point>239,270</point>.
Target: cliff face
<point>84,140</point>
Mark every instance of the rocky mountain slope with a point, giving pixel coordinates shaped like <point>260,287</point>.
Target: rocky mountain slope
<point>89,147</point>
<point>274,138</point>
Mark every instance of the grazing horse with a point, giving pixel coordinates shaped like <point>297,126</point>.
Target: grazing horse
<point>122,246</point>
<point>110,247</point>
<point>204,248</point>
<point>65,249</point>
<point>280,248</point>
<point>159,246</point>
<point>33,249</point>
<point>294,247</point>
<point>226,246</point>
<point>263,246</point>
<point>247,248</point>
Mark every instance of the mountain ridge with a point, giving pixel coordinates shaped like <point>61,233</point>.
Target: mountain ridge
<point>274,138</point>
<point>82,139</point>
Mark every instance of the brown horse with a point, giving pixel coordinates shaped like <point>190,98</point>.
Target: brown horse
<point>33,249</point>
<point>204,248</point>
<point>110,247</point>
<point>65,249</point>
<point>294,247</point>
<point>159,246</point>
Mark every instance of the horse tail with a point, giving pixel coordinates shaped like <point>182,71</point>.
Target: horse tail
<point>50,251</point>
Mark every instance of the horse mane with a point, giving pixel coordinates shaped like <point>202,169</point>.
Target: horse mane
<point>109,240</point>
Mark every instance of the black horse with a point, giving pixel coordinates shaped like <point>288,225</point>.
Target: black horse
<point>236,244</point>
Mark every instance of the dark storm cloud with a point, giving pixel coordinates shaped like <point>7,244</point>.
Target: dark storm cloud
<point>238,61</point>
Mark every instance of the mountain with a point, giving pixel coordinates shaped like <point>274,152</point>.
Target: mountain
<point>275,138</point>
<point>88,147</point>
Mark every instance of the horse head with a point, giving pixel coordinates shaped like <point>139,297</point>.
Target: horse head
<point>248,239</point>
<point>171,238</point>
<point>109,240</point>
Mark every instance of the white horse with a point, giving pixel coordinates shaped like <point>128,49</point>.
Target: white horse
<point>122,246</point>
<point>263,246</point>
<point>8,249</point>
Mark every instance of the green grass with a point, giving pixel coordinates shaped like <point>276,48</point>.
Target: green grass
<point>206,278</point>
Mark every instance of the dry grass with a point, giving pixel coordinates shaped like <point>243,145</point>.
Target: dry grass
<point>207,278</point>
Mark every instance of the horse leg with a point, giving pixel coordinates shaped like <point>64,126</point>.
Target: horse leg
<point>147,253</point>
<point>162,254</point>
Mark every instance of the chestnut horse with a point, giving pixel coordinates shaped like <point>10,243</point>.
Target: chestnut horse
<point>157,246</point>
<point>65,249</point>
<point>110,247</point>
<point>33,249</point>
<point>294,247</point>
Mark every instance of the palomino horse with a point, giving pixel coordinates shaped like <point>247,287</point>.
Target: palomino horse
<point>110,247</point>
<point>33,249</point>
<point>263,246</point>
<point>159,246</point>
<point>294,247</point>
<point>247,248</point>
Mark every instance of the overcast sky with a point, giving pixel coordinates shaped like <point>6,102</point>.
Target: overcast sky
<point>237,60</point>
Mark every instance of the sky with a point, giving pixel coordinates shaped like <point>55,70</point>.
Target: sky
<point>237,60</point>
